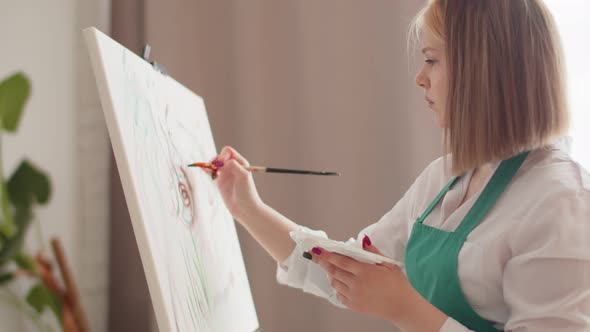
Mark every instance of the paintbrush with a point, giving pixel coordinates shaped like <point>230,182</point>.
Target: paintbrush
<point>218,164</point>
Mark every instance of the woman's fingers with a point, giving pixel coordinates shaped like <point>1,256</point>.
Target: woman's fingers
<point>369,246</point>
<point>333,270</point>
<point>233,167</point>
<point>326,266</point>
<point>237,156</point>
<point>338,285</point>
<point>228,153</point>
<point>224,155</point>
<point>343,276</point>
<point>311,257</point>
<point>343,262</point>
<point>336,273</point>
<point>343,299</point>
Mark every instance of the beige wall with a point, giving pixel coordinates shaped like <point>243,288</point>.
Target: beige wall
<point>62,131</point>
<point>305,84</point>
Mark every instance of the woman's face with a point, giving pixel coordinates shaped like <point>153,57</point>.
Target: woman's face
<point>432,76</point>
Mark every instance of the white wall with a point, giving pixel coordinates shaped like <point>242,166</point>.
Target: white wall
<point>60,131</point>
<point>572,21</point>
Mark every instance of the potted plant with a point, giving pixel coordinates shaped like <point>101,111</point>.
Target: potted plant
<point>20,193</point>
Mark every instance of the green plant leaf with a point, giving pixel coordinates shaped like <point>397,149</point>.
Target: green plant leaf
<point>40,297</point>
<point>7,228</point>
<point>12,246</point>
<point>14,92</point>
<point>6,278</point>
<point>28,184</point>
<point>25,262</point>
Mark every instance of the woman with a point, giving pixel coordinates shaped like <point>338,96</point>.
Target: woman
<point>495,235</point>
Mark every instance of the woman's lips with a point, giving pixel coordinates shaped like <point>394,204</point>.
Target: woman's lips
<point>430,102</point>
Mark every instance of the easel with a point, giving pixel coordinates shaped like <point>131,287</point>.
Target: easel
<point>73,317</point>
<point>147,49</point>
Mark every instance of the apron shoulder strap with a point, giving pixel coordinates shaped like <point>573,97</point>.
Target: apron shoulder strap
<point>438,197</point>
<point>497,184</point>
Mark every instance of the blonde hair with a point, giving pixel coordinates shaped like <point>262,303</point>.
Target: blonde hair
<point>507,90</point>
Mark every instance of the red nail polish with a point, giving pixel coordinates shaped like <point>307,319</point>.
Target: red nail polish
<point>218,163</point>
<point>366,241</point>
<point>317,251</point>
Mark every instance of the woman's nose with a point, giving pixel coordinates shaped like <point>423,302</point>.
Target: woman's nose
<point>421,80</point>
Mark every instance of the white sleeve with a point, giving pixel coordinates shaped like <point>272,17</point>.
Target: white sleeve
<point>299,272</point>
<point>546,282</point>
<point>389,234</point>
<point>452,325</point>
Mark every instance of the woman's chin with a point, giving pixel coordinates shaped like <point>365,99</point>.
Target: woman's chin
<point>439,122</point>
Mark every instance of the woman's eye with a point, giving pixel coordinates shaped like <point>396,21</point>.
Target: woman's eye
<point>186,199</point>
<point>430,61</point>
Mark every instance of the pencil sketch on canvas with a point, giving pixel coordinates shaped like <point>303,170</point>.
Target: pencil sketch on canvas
<point>187,238</point>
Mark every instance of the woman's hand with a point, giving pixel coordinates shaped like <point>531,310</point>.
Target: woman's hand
<point>379,290</point>
<point>236,184</point>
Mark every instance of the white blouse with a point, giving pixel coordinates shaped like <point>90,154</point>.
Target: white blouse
<point>526,266</point>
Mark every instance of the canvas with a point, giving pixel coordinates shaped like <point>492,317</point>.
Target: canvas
<point>186,237</point>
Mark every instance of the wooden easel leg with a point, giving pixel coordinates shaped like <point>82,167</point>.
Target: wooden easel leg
<point>72,295</point>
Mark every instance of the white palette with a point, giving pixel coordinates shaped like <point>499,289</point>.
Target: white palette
<point>307,241</point>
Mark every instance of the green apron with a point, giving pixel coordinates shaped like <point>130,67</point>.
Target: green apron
<point>431,256</point>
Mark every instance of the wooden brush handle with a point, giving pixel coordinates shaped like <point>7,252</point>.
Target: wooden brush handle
<point>255,168</point>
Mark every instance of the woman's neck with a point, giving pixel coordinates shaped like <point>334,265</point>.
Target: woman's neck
<point>484,170</point>
<point>478,180</point>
